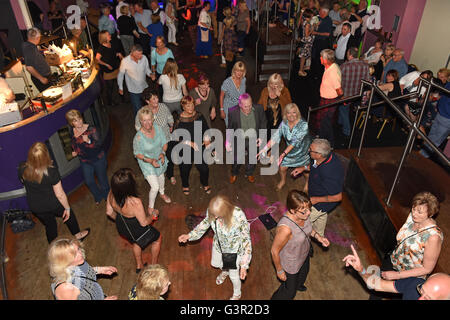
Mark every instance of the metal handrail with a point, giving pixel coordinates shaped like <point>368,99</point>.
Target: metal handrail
<point>414,126</point>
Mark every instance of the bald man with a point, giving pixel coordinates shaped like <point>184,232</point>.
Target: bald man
<point>436,287</point>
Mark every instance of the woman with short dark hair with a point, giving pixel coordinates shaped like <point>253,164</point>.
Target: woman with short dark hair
<point>292,248</point>
<point>188,120</point>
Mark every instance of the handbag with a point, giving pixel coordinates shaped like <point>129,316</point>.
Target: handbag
<point>146,238</point>
<point>228,259</point>
<point>19,220</point>
<point>311,249</point>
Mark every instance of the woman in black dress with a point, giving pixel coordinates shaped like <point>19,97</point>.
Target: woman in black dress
<point>187,121</point>
<point>108,56</point>
<point>45,195</point>
<point>132,222</point>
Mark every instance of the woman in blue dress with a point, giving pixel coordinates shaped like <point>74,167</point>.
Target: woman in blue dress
<point>295,132</point>
<point>204,27</point>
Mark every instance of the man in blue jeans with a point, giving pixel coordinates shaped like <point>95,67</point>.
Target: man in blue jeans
<point>440,129</point>
<point>134,68</point>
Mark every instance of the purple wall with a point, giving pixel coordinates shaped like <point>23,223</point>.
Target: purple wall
<point>43,5</point>
<point>410,12</point>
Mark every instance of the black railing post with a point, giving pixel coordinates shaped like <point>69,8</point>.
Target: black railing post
<point>365,120</point>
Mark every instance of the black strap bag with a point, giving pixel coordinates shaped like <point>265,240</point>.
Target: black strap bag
<point>228,259</point>
<point>146,238</point>
<point>19,220</point>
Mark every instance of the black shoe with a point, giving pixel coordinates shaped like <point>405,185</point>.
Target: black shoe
<point>302,289</point>
<point>139,270</point>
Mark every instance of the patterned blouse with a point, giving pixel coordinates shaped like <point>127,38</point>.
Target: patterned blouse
<point>88,152</point>
<point>299,138</point>
<point>409,254</point>
<point>236,239</point>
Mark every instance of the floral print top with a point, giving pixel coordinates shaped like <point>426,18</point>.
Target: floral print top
<point>236,239</point>
<point>409,254</point>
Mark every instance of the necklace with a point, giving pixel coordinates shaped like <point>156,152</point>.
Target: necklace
<point>205,96</point>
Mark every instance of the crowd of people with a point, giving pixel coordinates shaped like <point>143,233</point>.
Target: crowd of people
<point>142,55</point>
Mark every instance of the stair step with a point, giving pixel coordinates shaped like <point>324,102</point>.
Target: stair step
<point>278,47</point>
<point>265,76</point>
<point>271,57</point>
<point>275,66</point>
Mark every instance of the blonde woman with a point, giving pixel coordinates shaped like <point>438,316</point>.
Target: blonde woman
<point>86,145</point>
<point>149,147</point>
<point>72,277</point>
<point>231,235</point>
<point>45,195</point>
<point>173,85</point>
<point>296,134</point>
<point>108,57</point>
<point>153,282</point>
<point>274,98</point>
<point>231,89</point>
<point>171,14</point>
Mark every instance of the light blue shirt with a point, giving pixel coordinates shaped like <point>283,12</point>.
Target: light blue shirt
<point>107,23</point>
<point>134,74</point>
<point>160,60</point>
<point>150,148</point>
<point>145,18</point>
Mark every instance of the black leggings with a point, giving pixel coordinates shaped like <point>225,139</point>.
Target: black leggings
<point>49,222</point>
<point>185,170</point>
<point>288,289</point>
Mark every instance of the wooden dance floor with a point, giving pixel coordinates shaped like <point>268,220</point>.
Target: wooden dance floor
<point>191,274</point>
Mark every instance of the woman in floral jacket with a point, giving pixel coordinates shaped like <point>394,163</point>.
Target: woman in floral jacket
<point>232,230</point>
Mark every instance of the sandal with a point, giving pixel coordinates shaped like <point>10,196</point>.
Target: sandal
<point>154,213</point>
<point>207,189</point>
<point>81,238</point>
<point>234,297</point>
<point>221,277</point>
<point>186,191</point>
<point>165,198</point>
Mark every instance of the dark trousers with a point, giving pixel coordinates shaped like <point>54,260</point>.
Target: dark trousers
<point>324,121</point>
<point>109,86</point>
<point>96,168</point>
<point>288,289</point>
<point>170,165</point>
<point>144,41</point>
<point>249,168</point>
<point>185,170</point>
<point>49,222</point>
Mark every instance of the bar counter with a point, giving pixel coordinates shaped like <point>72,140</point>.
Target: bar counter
<point>50,127</point>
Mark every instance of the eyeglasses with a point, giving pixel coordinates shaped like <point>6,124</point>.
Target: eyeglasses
<point>312,151</point>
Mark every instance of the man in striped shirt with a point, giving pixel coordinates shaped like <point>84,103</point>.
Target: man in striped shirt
<point>352,72</point>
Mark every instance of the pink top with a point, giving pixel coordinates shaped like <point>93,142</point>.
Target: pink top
<point>331,80</point>
<point>296,250</point>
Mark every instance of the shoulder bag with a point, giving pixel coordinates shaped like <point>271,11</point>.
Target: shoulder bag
<point>146,238</point>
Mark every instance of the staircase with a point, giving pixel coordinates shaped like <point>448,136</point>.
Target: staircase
<point>276,60</point>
